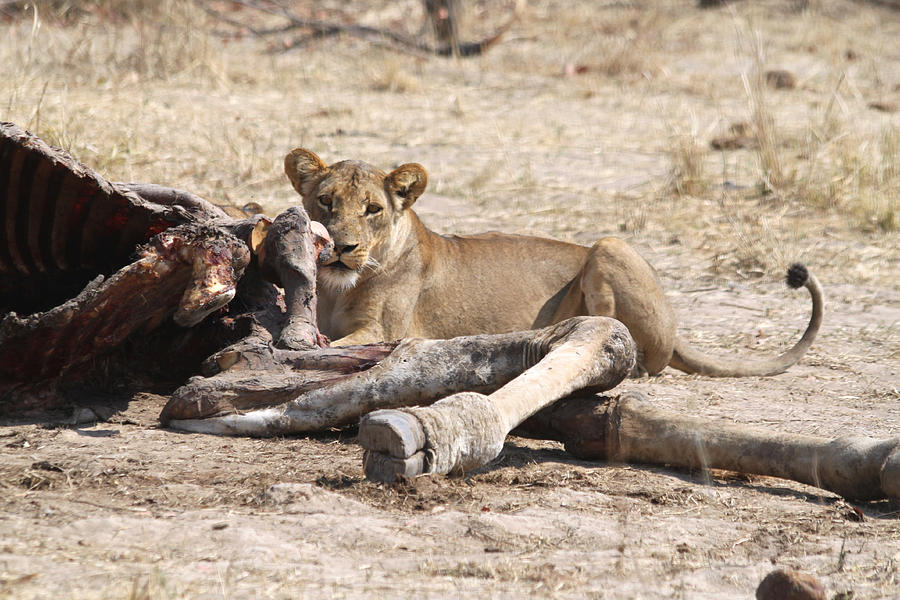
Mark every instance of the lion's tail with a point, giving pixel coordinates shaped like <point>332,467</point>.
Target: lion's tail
<point>687,359</point>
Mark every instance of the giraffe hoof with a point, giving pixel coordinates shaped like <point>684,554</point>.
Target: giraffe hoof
<point>394,442</point>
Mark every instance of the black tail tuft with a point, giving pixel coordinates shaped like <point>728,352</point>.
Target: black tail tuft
<point>797,275</point>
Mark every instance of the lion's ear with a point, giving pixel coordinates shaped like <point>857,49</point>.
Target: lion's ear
<point>303,168</point>
<point>407,182</point>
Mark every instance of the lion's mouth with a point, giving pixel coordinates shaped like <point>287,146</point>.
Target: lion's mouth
<point>340,265</point>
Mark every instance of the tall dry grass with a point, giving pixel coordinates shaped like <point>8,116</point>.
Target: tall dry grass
<point>54,51</point>
<point>839,168</point>
<point>687,166</point>
<point>768,153</point>
<point>858,175</point>
<point>817,165</point>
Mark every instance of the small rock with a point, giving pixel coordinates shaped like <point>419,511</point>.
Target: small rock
<point>712,3</point>
<point>45,465</point>
<point>252,208</point>
<point>887,107</point>
<point>781,79</point>
<point>787,584</point>
<point>104,413</point>
<point>740,134</point>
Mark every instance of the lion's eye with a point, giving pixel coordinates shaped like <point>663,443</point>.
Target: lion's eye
<point>325,201</point>
<point>373,209</point>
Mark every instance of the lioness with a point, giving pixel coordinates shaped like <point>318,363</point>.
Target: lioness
<point>391,277</point>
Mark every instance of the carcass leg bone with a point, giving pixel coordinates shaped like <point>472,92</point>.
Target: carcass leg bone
<point>288,251</point>
<point>585,352</point>
<point>629,429</point>
<point>467,430</point>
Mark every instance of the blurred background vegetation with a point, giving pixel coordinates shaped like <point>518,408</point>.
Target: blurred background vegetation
<point>749,133</point>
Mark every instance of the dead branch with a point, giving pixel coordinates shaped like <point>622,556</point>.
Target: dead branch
<point>64,224</point>
<point>371,34</point>
<point>444,17</point>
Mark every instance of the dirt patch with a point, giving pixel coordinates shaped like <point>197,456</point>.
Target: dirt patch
<point>568,127</point>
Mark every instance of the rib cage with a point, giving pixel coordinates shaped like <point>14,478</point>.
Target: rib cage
<point>62,224</point>
<point>82,266</point>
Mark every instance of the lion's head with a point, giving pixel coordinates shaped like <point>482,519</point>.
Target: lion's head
<point>360,205</point>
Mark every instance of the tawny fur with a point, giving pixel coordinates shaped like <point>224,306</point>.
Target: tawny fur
<point>391,277</point>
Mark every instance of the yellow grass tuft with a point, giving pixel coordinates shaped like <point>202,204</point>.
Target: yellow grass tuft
<point>858,175</point>
<point>771,167</point>
<point>687,173</point>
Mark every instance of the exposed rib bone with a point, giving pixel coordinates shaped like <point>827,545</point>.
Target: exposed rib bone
<point>61,224</point>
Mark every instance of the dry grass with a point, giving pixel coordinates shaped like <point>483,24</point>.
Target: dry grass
<point>547,576</point>
<point>819,152</point>
<point>837,167</point>
<point>857,175</point>
<point>687,172</point>
<point>391,76</point>
<point>152,586</point>
<point>115,62</point>
<point>588,120</point>
<point>771,166</point>
<point>114,44</point>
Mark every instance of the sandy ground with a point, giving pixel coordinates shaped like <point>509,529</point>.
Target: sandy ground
<point>570,126</point>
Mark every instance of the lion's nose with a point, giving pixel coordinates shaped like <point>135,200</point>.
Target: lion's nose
<point>341,249</point>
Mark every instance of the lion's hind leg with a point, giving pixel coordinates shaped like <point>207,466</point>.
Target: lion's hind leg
<point>615,281</point>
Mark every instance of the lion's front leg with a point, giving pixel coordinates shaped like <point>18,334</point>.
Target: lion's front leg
<point>367,335</point>
<point>369,316</point>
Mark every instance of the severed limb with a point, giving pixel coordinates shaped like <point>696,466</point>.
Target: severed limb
<point>236,401</point>
<point>578,353</point>
<point>630,429</point>
<point>467,430</point>
<point>288,253</point>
